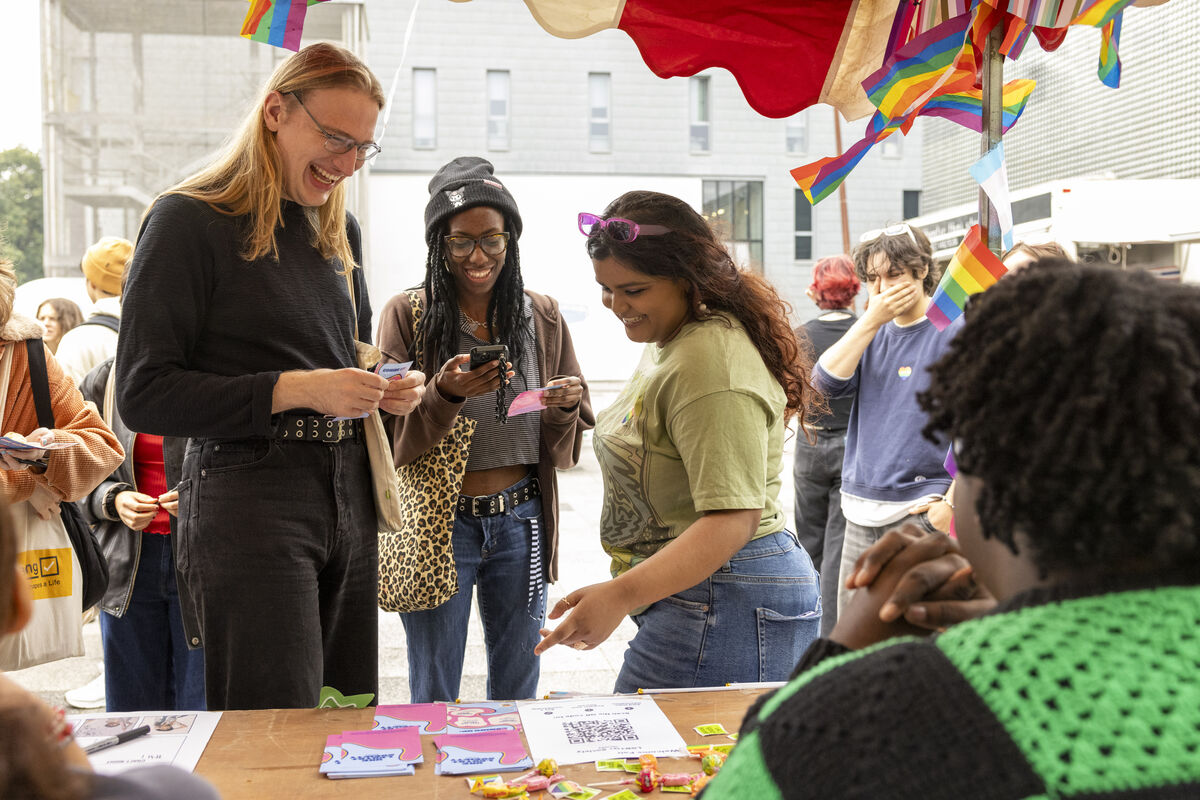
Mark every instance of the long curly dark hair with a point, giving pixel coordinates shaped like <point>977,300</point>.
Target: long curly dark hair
<point>1073,393</point>
<point>694,254</point>
<point>437,330</point>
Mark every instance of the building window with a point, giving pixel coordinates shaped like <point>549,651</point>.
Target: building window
<point>892,146</point>
<point>497,109</point>
<point>599,112</point>
<point>912,203</point>
<point>804,238</point>
<point>700,129</point>
<point>424,132</point>
<point>734,209</point>
<point>797,133</point>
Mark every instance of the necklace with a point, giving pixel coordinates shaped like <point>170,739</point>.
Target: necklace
<point>471,319</point>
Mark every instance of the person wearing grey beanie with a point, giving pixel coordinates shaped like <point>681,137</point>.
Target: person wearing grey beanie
<point>505,530</point>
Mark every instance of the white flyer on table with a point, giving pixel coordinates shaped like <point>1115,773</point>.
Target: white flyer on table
<point>584,729</point>
<point>176,737</point>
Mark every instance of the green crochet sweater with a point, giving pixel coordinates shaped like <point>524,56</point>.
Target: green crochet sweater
<point>1055,695</point>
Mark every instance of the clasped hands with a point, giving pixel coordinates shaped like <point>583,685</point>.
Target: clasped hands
<point>909,582</point>
<point>137,510</point>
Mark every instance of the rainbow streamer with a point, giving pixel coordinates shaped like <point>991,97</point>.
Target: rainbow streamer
<point>820,178</point>
<point>1109,70</point>
<point>277,22</point>
<point>973,269</point>
<point>1099,13</point>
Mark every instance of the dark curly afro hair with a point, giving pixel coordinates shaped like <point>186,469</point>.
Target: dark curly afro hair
<point>1073,392</point>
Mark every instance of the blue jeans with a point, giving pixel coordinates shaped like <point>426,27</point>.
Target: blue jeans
<point>820,526</point>
<point>147,663</point>
<point>494,553</point>
<point>751,620</point>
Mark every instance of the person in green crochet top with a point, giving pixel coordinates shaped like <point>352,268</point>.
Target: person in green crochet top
<point>1072,397</point>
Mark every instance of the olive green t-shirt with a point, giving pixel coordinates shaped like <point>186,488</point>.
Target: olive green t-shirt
<point>699,427</point>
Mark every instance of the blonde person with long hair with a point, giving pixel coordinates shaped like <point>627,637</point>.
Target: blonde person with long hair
<point>238,334</point>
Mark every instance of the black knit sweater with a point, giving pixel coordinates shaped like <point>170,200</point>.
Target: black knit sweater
<point>1083,692</point>
<point>205,334</point>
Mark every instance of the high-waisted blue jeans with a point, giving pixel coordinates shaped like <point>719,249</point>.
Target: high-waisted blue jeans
<point>496,555</point>
<point>751,620</point>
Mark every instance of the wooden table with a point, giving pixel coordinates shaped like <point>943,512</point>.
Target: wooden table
<point>259,755</point>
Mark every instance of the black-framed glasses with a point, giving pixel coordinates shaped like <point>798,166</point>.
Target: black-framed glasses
<point>493,244</point>
<point>617,228</point>
<point>340,145</point>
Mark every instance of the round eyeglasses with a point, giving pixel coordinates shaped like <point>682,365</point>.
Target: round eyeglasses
<point>340,145</point>
<point>493,244</point>
<point>899,229</point>
<point>617,228</point>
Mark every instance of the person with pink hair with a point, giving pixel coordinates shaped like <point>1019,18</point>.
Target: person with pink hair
<point>817,469</point>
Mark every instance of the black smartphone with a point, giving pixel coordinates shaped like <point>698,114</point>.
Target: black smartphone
<point>488,352</point>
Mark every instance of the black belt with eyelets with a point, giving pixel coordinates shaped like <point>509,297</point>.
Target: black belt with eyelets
<point>308,428</point>
<point>492,504</point>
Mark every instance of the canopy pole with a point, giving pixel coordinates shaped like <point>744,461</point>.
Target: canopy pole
<point>837,137</point>
<point>992,76</point>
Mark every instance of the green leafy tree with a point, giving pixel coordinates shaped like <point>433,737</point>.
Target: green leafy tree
<point>21,211</point>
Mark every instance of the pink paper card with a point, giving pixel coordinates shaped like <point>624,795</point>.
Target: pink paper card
<point>430,718</point>
<point>490,751</point>
<point>364,753</point>
<point>530,400</point>
<point>482,715</point>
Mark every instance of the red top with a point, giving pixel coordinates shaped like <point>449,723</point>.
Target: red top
<point>150,477</point>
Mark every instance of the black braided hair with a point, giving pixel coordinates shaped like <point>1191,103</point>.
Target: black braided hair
<point>1073,392</point>
<point>437,330</point>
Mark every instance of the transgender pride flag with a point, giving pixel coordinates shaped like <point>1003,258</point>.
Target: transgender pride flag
<point>973,269</point>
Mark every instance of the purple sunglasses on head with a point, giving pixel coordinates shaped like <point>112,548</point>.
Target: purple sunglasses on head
<point>618,229</point>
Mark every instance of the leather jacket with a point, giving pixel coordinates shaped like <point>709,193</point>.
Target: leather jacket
<point>123,547</point>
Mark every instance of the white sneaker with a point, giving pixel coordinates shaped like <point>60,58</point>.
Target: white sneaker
<point>90,695</point>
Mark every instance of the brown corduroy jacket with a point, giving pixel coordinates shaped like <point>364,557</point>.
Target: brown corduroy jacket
<point>561,429</point>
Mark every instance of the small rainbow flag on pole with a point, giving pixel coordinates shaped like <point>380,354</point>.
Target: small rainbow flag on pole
<point>973,269</point>
<point>276,22</point>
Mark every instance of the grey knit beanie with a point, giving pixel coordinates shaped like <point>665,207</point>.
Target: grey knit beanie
<point>467,182</point>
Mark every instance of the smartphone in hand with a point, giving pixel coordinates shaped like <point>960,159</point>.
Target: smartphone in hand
<point>488,352</point>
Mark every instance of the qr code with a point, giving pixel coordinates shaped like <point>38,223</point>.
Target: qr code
<point>589,731</point>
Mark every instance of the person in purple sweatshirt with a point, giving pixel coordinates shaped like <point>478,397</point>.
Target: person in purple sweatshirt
<point>890,470</point>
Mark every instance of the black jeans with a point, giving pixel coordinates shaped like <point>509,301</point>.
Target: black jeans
<point>279,553</point>
<point>817,477</point>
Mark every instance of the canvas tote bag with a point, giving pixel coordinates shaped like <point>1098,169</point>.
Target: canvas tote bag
<point>47,560</point>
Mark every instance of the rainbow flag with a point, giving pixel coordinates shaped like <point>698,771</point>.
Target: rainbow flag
<point>820,178</point>
<point>276,22</point>
<point>1099,13</point>
<point>973,269</point>
<point>1109,70</point>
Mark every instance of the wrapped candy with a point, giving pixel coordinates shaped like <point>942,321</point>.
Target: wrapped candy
<point>712,762</point>
<point>648,761</point>
<point>647,780</point>
<point>675,779</point>
<point>548,767</point>
<point>699,783</point>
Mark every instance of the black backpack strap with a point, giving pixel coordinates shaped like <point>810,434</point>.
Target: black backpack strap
<point>105,321</point>
<point>39,381</point>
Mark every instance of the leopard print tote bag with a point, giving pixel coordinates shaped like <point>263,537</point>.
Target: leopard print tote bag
<point>416,562</point>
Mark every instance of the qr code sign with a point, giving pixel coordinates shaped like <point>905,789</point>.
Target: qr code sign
<point>589,731</point>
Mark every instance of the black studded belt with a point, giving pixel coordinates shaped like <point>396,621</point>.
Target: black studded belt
<point>307,428</point>
<point>492,504</point>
